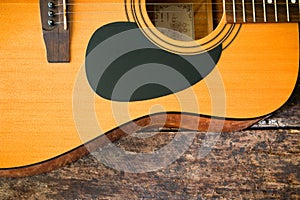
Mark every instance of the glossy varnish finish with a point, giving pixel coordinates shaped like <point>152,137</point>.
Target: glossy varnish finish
<point>258,69</point>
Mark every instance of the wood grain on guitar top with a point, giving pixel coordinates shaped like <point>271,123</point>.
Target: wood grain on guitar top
<point>258,70</point>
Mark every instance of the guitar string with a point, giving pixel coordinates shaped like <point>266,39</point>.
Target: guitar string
<point>186,3</point>
<point>152,11</point>
<point>105,21</point>
<point>110,4</point>
<point>214,10</point>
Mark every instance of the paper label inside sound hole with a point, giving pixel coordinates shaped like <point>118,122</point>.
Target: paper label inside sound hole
<point>175,21</point>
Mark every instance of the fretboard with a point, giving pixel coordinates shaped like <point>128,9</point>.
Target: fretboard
<point>252,11</point>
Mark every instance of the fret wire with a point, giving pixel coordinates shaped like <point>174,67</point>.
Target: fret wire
<point>287,11</point>
<point>233,10</point>
<point>264,8</point>
<point>244,15</point>
<point>253,11</point>
<point>275,8</point>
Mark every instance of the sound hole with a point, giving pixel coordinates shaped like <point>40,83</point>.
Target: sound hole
<point>185,19</point>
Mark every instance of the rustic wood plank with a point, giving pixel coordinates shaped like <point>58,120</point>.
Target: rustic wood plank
<point>252,164</point>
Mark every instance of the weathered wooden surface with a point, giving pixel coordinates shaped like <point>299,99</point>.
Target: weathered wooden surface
<point>260,163</point>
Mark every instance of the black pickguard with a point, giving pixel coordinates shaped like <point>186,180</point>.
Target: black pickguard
<point>123,65</point>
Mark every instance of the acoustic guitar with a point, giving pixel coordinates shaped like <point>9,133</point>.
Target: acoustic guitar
<point>73,72</point>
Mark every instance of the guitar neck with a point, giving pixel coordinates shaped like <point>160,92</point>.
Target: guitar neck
<point>262,11</point>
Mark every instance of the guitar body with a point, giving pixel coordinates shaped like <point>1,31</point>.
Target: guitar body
<point>258,71</point>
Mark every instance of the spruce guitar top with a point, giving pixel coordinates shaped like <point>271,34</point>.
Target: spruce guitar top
<point>74,71</point>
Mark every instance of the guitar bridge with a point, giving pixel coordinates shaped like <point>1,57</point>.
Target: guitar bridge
<point>55,30</point>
